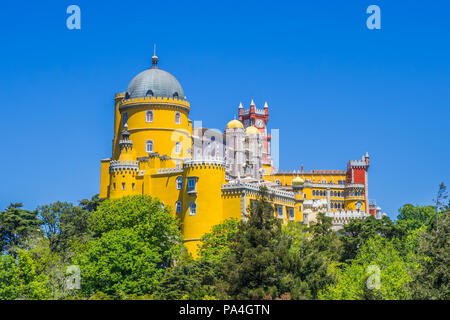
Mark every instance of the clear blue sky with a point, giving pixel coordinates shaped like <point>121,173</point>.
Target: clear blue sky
<point>335,89</point>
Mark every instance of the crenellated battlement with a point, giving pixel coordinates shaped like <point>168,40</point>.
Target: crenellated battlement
<point>121,165</point>
<point>204,163</point>
<point>155,100</point>
<point>169,170</point>
<point>254,188</point>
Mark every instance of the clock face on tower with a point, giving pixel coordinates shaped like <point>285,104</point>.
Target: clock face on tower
<point>259,123</point>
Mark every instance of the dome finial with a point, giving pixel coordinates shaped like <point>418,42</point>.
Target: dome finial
<point>154,58</point>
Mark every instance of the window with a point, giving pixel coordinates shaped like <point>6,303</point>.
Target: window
<point>192,209</point>
<point>191,184</point>
<point>179,183</point>
<point>149,116</point>
<point>278,182</point>
<point>280,211</point>
<point>162,205</point>
<point>132,186</point>
<point>178,207</point>
<point>125,118</point>
<point>149,93</point>
<point>127,95</point>
<point>149,146</point>
<point>177,147</point>
<point>123,185</point>
<point>175,95</point>
<point>291,214</point>
<point>114,186</point>
<point>324,181</point>
<point>177,118</point>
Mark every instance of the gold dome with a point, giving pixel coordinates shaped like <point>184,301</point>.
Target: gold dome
<point>252,130</point>
<point>297,181</point>
<point>233,124</point>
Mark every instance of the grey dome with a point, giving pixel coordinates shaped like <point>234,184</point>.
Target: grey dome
<point>154,82</point>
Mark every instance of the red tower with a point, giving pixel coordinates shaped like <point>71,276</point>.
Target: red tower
<point>258,118</point>
<point>357,173</point>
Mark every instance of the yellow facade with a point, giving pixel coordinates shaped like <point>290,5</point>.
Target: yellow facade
<point>152,154</point>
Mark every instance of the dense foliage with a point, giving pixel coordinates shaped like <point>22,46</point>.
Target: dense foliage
<point>131,248</point>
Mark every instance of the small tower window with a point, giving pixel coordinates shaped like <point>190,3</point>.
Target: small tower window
<point>192,209</point>
<point>125,118</point>
<point>177,147</point>
<point>149,93</point>
<point>178,207</point>
<point>191,187</point>
<point>123,185</point>
<point>149,146</point>
<point>127,95</point>
<point>149,116</point>
<point>179,183</point>
<point>132,186</point>
<point>175,95</point>
<point>177,118</point>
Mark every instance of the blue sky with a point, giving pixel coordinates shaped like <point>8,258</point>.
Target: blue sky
<point>335,89</point>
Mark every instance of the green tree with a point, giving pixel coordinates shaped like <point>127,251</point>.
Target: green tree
<point>414,217</point>
<point>20,278</point>
<point>217,243</point>
<point>352,279</point>
<point>191,279</point>
<point>314,250</point>
<point>358,231</point>
<point>63,223</point>
<point>16,224</point>
<point>432,279</point>
<point>135,240</point>
<point>92,204</point>
<point>259,262</point>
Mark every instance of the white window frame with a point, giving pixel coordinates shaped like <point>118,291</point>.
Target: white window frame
<point>192,186</point>
<point>147,116</point>
<point>291,214</point>
<point>178,147</point>
<point>177,117</point>
<point>179,183</point>
<point>280,214</point>
<point>147,143</point>
<point>192,208</point>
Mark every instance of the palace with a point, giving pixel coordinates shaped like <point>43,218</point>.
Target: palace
<point>207,176</point>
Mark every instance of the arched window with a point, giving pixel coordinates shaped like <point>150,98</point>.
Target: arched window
<point>149,93</point>
<point>324,181</point>
<point>291,214</point>
<point>127,95</point>
<point>178,207</point>
<point>149,146</point>
<point>149,116</point>
<point>280,211</point>
<point>179,183</point>
<point>177,147</point>
<point>175,95</point>
<point>192,209</point>
<point>177,118</point>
